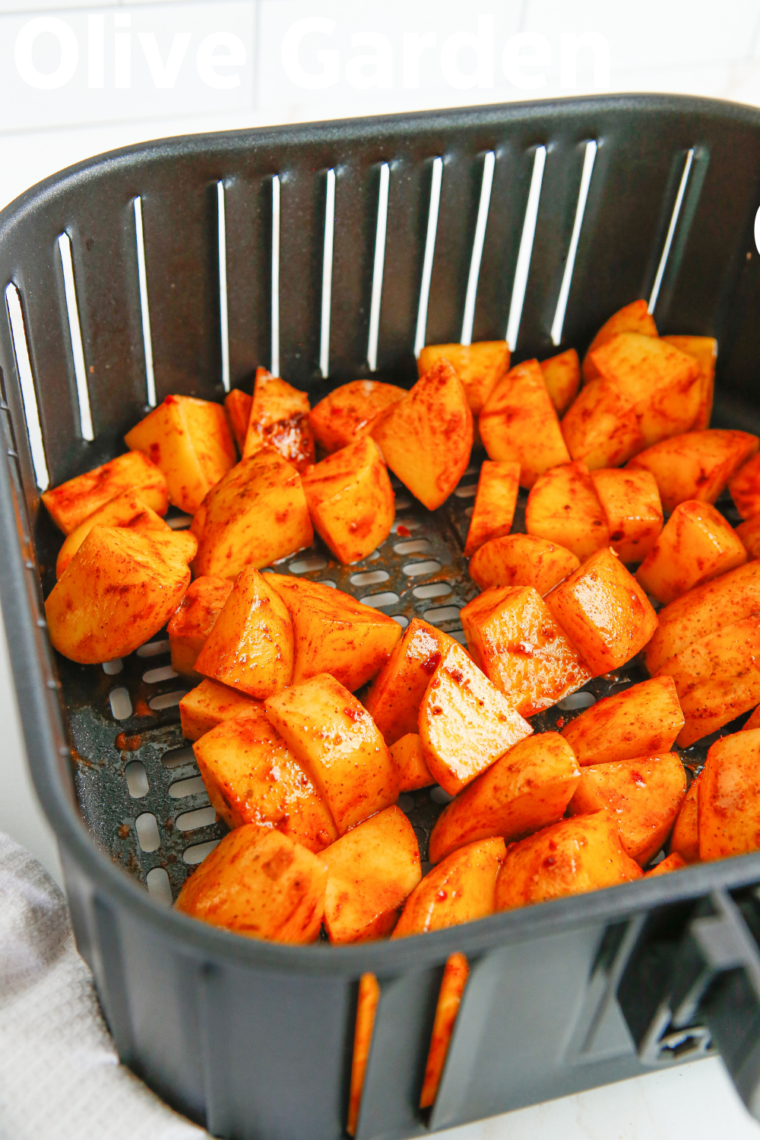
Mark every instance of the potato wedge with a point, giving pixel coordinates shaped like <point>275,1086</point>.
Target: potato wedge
<point>643,796</point>
<point>672,862</point>
<point>193,620</point>
<point>479,366</point>
<point>70,503</point>
<point>522,560</point>
<point>631,318</point>
<point>349,411</point>
<point>495,504</point>
<point>333,737</point>
<point>279,419</point>
<point>604,612</point>
<point>631,504</point>
<point>513,638</point>
<point>395,696</point>
<point>715,703</point>
<point>527,788</point>
<point>370,871</point>
<point>175,545</point>
<point>696,545</point>
<point>562,376</point>
<point>570,857</point>
<point>190,441</point>
<point>744,487</point>
<point>749,533</point>
<point>644,719</point>
<point>126,509</point>
<point>413,772</point>
<point>704,349</point>
<point>334,633</point>
<point>465,723</point>
<point>684,839</point>
<point>369,996</point>
<point>563,507</point>
<point>252,777</point>
<point>695,465</point>
<point>259,883</point>
<point>601,427</point>
<point>207,705</point>
<point>426,438</point>
<point>518,424</point>
<point>253,516</point>
<point>237,405</point>
<point>351,500</point>
<point>729,797</point>
<point>462,888</point>
<point>725,653</point>
<point>455,975</point>
<point>120,588</point>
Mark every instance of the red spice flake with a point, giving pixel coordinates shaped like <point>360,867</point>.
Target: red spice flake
<point>128,743</point>
<point>354,714</point>
<point>403,531</point>
<point>561,722</point>
<point>124,831</point>
<point>142,709</point>
<point>431,663</point>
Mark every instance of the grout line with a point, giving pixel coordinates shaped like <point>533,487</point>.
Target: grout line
<point>477,247</point>
<point>567,277</point>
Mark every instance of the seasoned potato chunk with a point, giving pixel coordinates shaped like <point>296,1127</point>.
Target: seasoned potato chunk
<point>254,516</point>
<point>754,720</point>
<point>729,797</point>
<point>207,705</point>
<point>237,405</point>
<point>704,349</point>
<point>684,840</point>
<point>370,871</point>
<point>643,796</point>
<point>465,722</point>
<point>604,612</point>
<point>562,376</point>
<point>426,438</point>
<point>644,719</point>
<point>334,633</point>
<point>744,487</point>
<point>695,465</point>
<point>119,590</point>
<point>495,504</point>
<point>71,503</point>
<point>527,788</point>
<point>279,419</point>
<point>601,428</point>
<point>259,883</point>
<point>522,560</point>
<point>749,533</point>
<point>455,975</point>
<point>396,695</point>
<point>126,509</point>
<point>190,441</point>
<point>672,862</point>
<point>252,777</point>
<point>369,996</point>
<point>413,772</point>
<point>696,545</point>
<point>518,424</point>
<point>479,366</point>
<point>193,621</point>
<point>351,500</point>
<point>335,739</point>
<point>250,646</point>
<point>175,545</point>
<point>460,889</point>
<point>570,857</point>
<point>349,411</point>
<point>631,504</point>
<point>513,637</point>
<point>563,507</point>
<point>631,318</point>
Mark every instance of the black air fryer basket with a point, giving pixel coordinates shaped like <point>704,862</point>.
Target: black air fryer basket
<point>331,252</point>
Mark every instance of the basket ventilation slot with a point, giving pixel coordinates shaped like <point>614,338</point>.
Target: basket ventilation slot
<point>378,266</point>
<point>142,282</point>
<point>159,887</point>
<point>75,335</point>
<point>427,262</point>
<point>588,168</point>
<point>486,186</point>
<point>671,229</point>
<point>26,380</point>
<point>526,248</point>
<point>275,362</point>
<point>224,330</point>
<point>327,271</point>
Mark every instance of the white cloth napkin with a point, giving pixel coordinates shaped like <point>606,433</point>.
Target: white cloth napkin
<point>60,1077</point>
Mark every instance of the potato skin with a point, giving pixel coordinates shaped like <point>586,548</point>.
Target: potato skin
<point>696,545</point>
<point>729,797</point>
<point>522,560</point>
<point>349,411</point>
<point>495,504</point>
<point>351,500</point>
<point>395,695</point>
<point>646,718</point>
<point>72,502</point>
<point>126,510</point>
<point>460,889</point>
<point>696,464</point>
<point>193,620</point>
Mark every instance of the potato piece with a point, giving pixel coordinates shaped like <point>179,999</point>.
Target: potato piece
<point>279,419</point>
<point>413,772</point>
<point>71,503</point>
<point>644,719</point>
<point>193,621</point>
<point>704,349</point>
<point>754,720</point>
<point>426,438</point>
<point>601,428</point>
<point>725,653</point>
<point>370,871</point>
<point>631,318</point>
<point>527,788</point>
<point>237,405</point>
<point>518,424</point>
<point>351,500</point>
<point>715,703</point>
<point>190,441</point>
<point>335,739</point>
<point>252,777</point>
<point>570,857</point>
<point>465,722</point>
<point>749,534</point>
<point>256,515</point>
<point>562,376</point>
<point>126,510</point>
<point>522,560</point>
<point>334,633</point>
<point>604,612</point>
<point>563,507</point>
<point>460,889</point>
<point>696,545</point>
<point>369,996</point>
<point>349,411</point>
<point>495,504</point>
<point>744,486</point>
<point>729,797</point>
<point>672,862</point>
<point>259,883</point>
<point>643,796</point>
<point>396,695</point>
<point>175,545</point>
<point>695,465</point>
<point>454,980</point>
<point>513,638</point>
<point>631,504</point>
<point>684,840</point>
<point>479,366</point>
<point>250,646</point>
<point>207,705</point>
<point>119,590</point>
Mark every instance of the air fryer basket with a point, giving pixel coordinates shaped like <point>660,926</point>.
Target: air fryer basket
<point>331,252</point>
